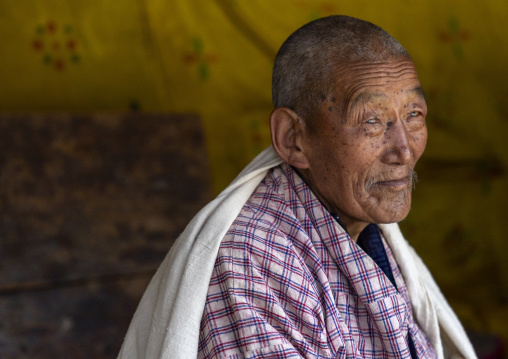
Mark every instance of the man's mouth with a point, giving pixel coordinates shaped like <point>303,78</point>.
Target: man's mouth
<point>395,184</point>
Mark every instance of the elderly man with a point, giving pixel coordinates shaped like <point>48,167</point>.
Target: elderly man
<point>301,256</point>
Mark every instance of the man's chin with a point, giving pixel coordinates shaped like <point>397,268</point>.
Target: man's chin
<point>392,212</point>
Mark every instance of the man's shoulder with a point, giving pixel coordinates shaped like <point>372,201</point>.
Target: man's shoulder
<point>271,201</point>
<point>267,213</point>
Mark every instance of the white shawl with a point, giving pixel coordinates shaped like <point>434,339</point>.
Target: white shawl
<point>166,323</point>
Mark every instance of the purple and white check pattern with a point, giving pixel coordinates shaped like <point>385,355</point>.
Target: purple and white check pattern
<point>289,282</point>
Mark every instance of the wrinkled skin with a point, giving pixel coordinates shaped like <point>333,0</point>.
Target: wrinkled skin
<point>363,145</point>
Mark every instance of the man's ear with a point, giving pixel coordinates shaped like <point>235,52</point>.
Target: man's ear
<point>287,130</point>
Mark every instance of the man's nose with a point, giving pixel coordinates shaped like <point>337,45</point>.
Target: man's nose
<point>398,149</point>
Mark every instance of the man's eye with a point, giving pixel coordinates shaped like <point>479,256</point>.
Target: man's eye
<point>414,114</point>
<point>372,121</point>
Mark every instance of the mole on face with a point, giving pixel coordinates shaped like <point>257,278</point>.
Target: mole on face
<point>366,132</point>
<point>389,124</point>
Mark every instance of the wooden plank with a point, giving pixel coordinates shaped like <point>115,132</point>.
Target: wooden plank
<point>88,203</point>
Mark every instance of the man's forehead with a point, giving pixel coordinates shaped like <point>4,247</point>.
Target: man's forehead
<point>354,78</point>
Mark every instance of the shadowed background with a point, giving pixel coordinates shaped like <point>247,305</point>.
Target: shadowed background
<point>86,89</point>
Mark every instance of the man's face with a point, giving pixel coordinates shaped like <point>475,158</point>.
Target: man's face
<point>364,144</point>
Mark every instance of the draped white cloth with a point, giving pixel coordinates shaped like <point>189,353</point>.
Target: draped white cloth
<point>166,323</point>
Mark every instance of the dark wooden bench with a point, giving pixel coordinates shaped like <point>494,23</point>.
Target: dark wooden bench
<point>89,207</point>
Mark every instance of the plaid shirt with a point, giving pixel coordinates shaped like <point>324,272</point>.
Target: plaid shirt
<point>289,282</point>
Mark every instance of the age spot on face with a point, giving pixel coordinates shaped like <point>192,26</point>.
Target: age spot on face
<point>330,108</point>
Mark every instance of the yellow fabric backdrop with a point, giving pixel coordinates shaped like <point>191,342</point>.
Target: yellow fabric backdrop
<point>214,58</point>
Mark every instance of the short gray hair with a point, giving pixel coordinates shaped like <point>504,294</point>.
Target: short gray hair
<point>305,68</point>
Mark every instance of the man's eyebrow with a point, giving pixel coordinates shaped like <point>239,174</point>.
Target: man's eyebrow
<point>419,91</point>
<point>366,97</point>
